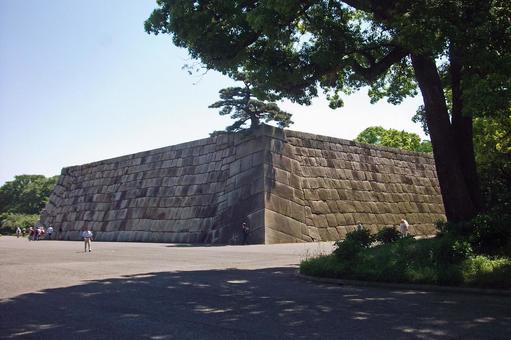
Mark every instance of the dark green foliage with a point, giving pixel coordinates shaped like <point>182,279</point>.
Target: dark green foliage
<point>483,272</point>
<point>491,234</point>
<point>492,144</point>
<point>488,234</point>
<point>243,107</point>
<point>388,235</point>
<point>353,244</point>
<point>394,138</point>
<point>324,266</point>
<point>443,260</point>
<point>450,250</point>
<point>362,237</point>
<point>10,221</point>
<point>22,199</point>
<point>347,249</point>
<point>26,194</point>
<point>458,53</point>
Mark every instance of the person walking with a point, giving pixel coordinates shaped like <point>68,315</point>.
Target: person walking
<point>246,230</point>
<point>18,232</point>
<point>403,227</point>
<point>49,231</point>
<point>87,238</point>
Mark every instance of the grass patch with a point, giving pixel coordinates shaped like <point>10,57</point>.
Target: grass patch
<point>433,261</point>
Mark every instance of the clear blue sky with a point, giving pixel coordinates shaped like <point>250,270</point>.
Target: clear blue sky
<point>81,81</point>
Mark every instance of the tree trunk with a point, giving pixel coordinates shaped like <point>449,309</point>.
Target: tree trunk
<point>462,131</point>
<point>254,121</point>
<point>455,193</point>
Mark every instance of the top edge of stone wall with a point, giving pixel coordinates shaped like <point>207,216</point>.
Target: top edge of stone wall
<point>236,138</point>
<point>223,138</point>
<point>283,134</point>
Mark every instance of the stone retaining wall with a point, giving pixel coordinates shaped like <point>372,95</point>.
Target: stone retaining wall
<point>289,186</point>
<point>318,188</point>
<point>196,192</point>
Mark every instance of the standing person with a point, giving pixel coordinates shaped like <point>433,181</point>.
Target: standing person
<point>31,233</point>
<point>403,227</point>
<point>49,231</point>
<point>360,226</point>
<point>87,238</point>
<point>245,229</point>
<point>18,232</point>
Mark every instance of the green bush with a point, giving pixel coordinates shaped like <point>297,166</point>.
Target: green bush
<point>460,229</point>
<point>353,244</point>
<point>450,250</point>
<point>482,271</point>
<point>9,222</point>
<point>388,235</point>
<point>488,234</point>
<point>348,249</point>
<point>491,233</point>
<point>323,266</point>
<point>361,237</point>
<point>444,260</point>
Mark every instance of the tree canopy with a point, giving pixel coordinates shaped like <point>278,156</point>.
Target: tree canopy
<point>240,103</point>
<point>456,53</point>
<point>493,155</point>
<point>26,194</point>
<point>393,138</point>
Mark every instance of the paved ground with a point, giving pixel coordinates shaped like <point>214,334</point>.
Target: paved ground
<point>52,290</point>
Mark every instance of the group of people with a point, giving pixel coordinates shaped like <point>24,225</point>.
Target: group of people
<point>39,232</point>
<point>36,233</point>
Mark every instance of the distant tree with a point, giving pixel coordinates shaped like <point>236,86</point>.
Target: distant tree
<point>26,194</point>
<point>9,221</point>
<point>394,138</point>
<point>240,103</point>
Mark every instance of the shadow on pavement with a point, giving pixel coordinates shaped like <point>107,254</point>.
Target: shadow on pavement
<point>246,304</point>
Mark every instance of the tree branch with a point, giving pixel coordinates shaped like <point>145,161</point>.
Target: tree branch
<point>378,68</point>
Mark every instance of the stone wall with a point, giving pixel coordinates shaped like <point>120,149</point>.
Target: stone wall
<point>318,188</point>
<point>196,192</point>
<point>289,186</point>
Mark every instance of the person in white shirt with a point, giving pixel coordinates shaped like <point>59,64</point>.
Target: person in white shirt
<point>87,238</point>
<point>49,231</point>
<point>403,227</point>
<point>18,232</point>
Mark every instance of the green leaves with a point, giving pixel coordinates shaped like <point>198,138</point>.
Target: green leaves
<point>11,221</point>
<point>26,194</point>
<point>22,199</point>
<point>393,138</point>
<point>240,103</point>
<point>292,49</point>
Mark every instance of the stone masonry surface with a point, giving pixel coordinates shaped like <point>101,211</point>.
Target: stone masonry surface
<point>288,186</point>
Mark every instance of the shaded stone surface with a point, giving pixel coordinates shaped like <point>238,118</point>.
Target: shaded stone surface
<point>319,187</point>
<point>289,186</point>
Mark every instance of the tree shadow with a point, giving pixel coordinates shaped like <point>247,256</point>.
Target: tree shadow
<point>194,245</point>
<point>246,304</point>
